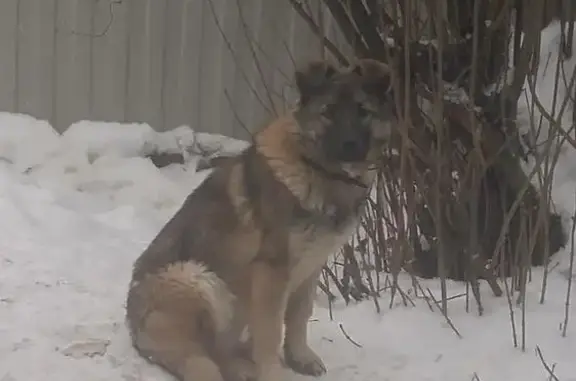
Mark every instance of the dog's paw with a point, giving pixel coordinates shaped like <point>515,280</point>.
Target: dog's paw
<point>304,361</point>
<point>240,369</point>
<point>271,372</point>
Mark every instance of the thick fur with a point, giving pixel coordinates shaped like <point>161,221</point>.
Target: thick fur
<point>247,246</point>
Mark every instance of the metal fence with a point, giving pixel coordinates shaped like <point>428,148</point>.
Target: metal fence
<point>218,66</point>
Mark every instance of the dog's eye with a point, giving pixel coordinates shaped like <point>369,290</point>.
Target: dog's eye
<point>326,111</point>
<point>364,113</point>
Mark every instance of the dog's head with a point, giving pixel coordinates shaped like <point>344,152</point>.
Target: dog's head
<point>345,115</point>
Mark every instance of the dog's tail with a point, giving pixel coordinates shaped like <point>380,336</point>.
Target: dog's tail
<point>174,316</point>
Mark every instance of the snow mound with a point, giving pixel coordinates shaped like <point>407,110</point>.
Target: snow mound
<point>108,162</point>
<point>25,141</point>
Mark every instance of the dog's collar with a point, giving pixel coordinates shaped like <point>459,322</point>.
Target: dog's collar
<point>334,175</point>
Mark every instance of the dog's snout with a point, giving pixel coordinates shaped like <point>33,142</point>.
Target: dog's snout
<point>349,145</point>
<point>354,148</point>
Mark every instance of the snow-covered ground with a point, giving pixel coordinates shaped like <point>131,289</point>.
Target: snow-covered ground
<point>76,210</point>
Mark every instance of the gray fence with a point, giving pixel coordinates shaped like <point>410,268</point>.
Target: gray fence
<point>164,62</point>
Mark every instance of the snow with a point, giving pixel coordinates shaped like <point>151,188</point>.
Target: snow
<point>564,182</point>
<point>77,209</point>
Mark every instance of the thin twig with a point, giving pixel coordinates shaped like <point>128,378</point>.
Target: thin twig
<point>546,366</point>
<point>348,336</point>
<point>297,5</point>
<point>448,320</point>
<point>570,274</point>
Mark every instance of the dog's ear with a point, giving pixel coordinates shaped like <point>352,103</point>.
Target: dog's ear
<point>377,76</point>
<point>311,78</point>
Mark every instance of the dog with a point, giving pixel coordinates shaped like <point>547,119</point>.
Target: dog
<point>246,248</point>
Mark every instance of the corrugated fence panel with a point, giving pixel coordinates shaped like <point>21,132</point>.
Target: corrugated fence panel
<point>304,44</point>
<point>190,62</point>
<point>335,36</point>
<point>36,50</point>
<point>245,98</point>
<point>146,20</point>
<point>8,53</point>
<point>262,39</point>
<point>109,60</point>
<point>211,67</point>
<point>72,75</point>
<point>272,48</point>
<point>173,75</point>
<point>229,21</point>
<point>284,63</point>
<point>222,66</point>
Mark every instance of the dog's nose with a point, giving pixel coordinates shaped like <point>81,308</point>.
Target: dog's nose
<point>350,146</point>
<point>354,149</point>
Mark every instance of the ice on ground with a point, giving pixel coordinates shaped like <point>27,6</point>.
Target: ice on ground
<point>77,209</point>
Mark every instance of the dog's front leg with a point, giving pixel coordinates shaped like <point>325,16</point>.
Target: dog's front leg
<point>268,304</point>
<point>298,354</point>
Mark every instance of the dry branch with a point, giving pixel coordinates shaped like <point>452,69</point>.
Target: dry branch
<point>453,177</point>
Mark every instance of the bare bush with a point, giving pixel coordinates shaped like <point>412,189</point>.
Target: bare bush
<point>453,200</point>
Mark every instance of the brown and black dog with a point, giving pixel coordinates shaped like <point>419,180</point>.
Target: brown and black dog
<point>247,246</point>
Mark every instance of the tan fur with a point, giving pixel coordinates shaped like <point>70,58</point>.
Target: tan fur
<point>247,246</point>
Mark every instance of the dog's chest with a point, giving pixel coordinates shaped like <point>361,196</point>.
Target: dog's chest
<point>311,247</point>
